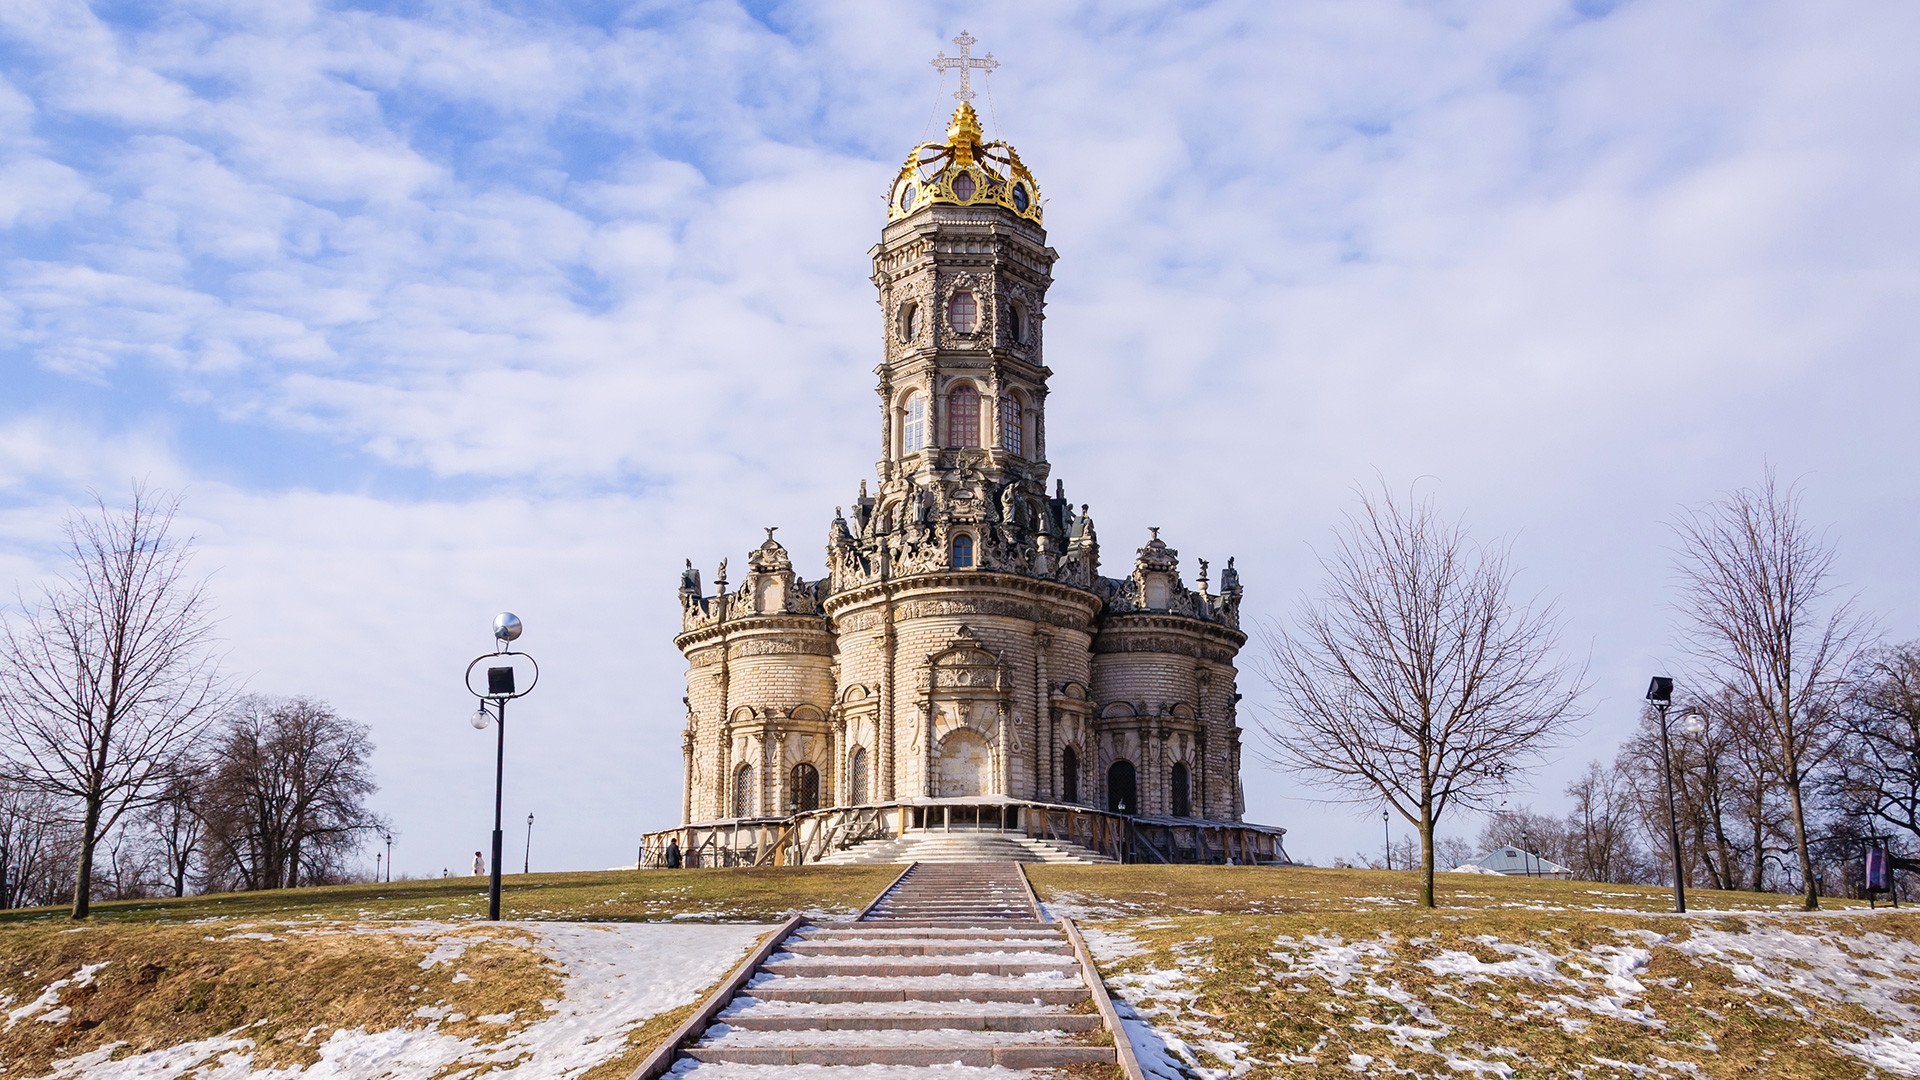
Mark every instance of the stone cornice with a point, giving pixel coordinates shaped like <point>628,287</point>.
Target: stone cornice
<point>1149,622</point>
<point>752,624</point>
<point>969,582</point>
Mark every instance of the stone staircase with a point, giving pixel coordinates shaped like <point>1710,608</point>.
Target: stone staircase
<point>984,845</point>
<point>950,974</point>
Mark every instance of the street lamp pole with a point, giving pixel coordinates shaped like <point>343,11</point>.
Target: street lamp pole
<point>388,837</point>
<point>1660,692</point>
<point>1386,831</point>
<point>526,859</point>
<point>500,690</point>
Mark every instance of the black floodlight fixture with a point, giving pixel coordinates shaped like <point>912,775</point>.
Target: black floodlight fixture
<point>1660,691</point>
<point>500,679</point>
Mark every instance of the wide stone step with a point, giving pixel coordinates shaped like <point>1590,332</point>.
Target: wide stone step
<point>920,948</point>
<point>1004,1021</point>
<point>859,966</point>
<point>828,993</point>
<point>897,932</point>
<point>1006,1057</point>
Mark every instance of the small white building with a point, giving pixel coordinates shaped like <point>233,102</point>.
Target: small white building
<point>1518,863</point>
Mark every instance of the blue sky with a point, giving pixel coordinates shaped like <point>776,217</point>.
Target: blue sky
<point>438,309</point>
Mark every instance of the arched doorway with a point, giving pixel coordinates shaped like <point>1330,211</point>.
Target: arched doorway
<point>1181,807</point>
<point>743,791</point>
<point>1070,775</point>
<point>857,777</point>
<point>1122,794</point>
<point>803,787</point>
<point>965,766</point>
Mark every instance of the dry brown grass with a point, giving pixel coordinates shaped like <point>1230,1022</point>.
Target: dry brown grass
<point>167,985</point>
<point>1267,974</point>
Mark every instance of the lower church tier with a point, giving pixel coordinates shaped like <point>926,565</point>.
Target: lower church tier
<point>961,684</point>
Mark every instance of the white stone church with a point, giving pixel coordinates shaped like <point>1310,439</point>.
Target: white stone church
<point>964,665</point>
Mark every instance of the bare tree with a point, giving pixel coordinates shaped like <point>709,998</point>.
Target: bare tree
<point>286,802</point>
<point>1754,587</point>
<point>1879,768</point>
<point>174,828</point>
<point>1416,680</point>
<point>109,677</point>
<point>40,846</point>
<point>1599,829</point>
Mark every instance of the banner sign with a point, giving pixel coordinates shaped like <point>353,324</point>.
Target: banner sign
<point>1877,868</point>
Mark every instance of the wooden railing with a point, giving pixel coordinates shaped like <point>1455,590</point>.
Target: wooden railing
<point>806,838</point>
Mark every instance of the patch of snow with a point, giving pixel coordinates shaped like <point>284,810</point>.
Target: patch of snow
<point>50,997</point>
<point>613,977</point>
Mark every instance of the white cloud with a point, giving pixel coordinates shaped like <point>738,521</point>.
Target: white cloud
<point>518,307</point>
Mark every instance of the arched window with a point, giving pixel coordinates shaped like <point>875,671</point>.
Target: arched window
<point>743,791</point>
<point>962,552</point>
<point>1017,323</point>
<point>803,788</point>
<point>1069,775</point>
<point>909,321</point>
<point>963,311</point>
<point>1181,807</point>
<point>1013,425</point>
<point>963,416</point>
<point>913,422</point>
<point>857,777</point>
<point>1122,797</point>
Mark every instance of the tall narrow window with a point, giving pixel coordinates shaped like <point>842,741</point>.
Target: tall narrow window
<point>962,552</point>
<point>1013,424</point>
<point>963,416</point>
<point>963,311</point>
<point>1069,775</point>
<point>743,791</point>
<point>1181,807</point>
<point>1017,323</point>
<point>803,787</point>
<point>1121,798</point>
<point>857,777</point>
<point>913,422</point>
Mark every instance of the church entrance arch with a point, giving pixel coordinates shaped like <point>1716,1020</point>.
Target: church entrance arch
<point>965,766</point>
<point>1122,793</point>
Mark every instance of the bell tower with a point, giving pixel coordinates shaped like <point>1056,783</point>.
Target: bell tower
<point>962,270</point>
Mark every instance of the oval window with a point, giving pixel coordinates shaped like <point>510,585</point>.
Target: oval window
<point>962,187</point>
<point>962,311</point>
<point>1020,199</point>
<point>906,196</point>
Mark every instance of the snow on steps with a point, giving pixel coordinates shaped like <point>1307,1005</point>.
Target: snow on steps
<point>978,988</point>
<point>959,847</point>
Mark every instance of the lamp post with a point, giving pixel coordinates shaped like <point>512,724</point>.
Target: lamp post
<point>500,690</point>
<point>526,859</point>
<point>376,866</point>
<point>1386,832</point>
<point>388,837</point>
<point>1660,692</point>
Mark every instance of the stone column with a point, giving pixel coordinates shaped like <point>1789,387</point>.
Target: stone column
<point>884,751</point>
<point>723,745</point>
<point>1042,756</point>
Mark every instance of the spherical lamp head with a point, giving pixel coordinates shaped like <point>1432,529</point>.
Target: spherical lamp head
<point>481,718</point>
<point>506,626</point>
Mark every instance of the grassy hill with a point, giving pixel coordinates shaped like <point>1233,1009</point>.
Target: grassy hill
<point>1242,971</point>
<point>286,969</point>
<point>1306,972</point>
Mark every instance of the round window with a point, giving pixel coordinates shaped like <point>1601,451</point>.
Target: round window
<point>962,187</point>
<point>1020,199</point>
<point>906,196</point>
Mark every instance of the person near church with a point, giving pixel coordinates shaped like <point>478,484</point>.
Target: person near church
<point>479,864</point>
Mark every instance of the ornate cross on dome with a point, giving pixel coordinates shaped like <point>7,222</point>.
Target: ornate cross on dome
<point>966,64</point>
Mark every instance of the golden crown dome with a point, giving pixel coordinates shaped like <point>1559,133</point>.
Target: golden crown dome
<point>963,171</point>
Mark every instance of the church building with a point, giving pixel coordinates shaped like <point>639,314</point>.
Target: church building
<point>965,649</point>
